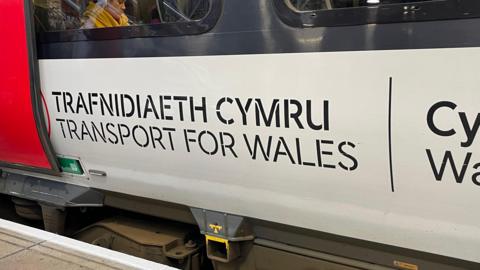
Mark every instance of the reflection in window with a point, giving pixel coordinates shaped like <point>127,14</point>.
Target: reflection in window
<point>308,5</point>
<point>60,15</point>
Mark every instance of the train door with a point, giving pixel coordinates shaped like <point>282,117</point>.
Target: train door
<point>24,141</point>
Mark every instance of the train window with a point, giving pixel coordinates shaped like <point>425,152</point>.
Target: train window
<point>70,20</point>
<point>313,13</point>
<point>308,5</point>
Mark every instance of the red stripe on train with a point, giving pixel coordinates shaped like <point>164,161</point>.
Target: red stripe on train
<point>19,140</point>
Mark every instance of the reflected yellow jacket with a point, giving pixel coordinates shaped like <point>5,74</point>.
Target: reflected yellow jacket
<point>100,17</point>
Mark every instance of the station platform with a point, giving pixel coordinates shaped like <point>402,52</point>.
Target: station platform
<point>23,247</point>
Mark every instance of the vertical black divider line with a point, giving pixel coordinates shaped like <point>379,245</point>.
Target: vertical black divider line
<point>390,131</point>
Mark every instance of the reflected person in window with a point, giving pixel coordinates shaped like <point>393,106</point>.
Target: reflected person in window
<point>105,13</point>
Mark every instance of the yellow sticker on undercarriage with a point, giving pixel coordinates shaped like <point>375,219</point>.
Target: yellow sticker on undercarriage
<point>216,228</point>
<point>404,265</point>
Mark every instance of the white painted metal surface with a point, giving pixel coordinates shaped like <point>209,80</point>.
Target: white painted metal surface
<point>27,244</point>
<point>349,192</point>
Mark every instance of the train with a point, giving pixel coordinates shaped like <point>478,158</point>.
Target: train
<point>262,134</point>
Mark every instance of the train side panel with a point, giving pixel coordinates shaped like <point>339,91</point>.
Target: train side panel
<point>350,143</point>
